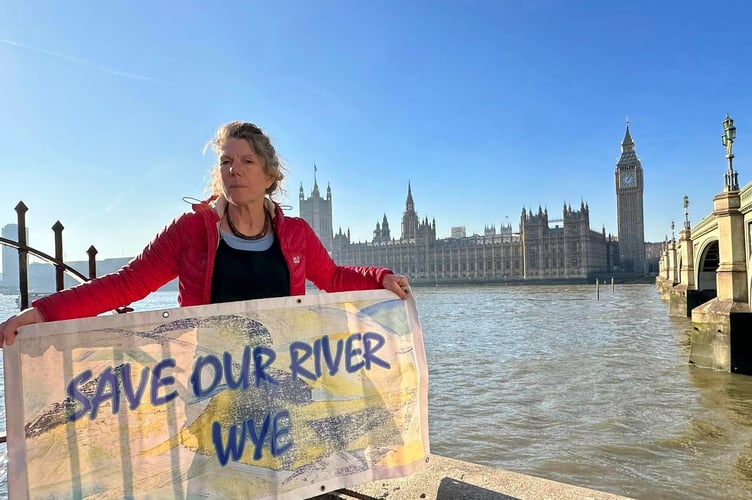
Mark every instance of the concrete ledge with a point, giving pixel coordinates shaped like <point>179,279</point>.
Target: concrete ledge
<point>449,479</point>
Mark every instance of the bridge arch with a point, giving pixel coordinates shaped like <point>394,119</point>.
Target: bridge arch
<point>707,266</point>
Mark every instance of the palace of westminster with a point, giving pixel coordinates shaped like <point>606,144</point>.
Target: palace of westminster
<point>543,249</point>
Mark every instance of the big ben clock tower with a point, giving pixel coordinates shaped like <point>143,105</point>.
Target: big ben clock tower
<point>629,188</point>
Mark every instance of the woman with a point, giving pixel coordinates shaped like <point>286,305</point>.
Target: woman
<point>237,245</point>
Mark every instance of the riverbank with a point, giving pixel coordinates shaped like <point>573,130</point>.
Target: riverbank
<point>603,278</point>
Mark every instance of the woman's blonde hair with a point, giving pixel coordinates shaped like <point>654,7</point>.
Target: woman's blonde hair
<point>261,145</point>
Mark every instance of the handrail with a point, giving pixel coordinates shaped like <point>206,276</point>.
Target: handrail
<point>49,258</point>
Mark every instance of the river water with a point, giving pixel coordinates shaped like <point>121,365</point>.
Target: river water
<point>549,381</point>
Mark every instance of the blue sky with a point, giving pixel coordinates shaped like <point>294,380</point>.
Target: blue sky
<point>485,107</point>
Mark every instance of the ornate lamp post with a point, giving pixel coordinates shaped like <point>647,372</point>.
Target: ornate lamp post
<point>686,212</point>
<point>673,234</point>
<point>727,139</point>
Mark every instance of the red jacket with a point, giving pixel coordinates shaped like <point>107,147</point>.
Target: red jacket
<point>186,249</point>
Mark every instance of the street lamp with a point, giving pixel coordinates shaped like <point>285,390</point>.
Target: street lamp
<point>686,212</point>
<point>727,139</point>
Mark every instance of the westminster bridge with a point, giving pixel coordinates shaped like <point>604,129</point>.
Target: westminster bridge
<point>705,275</point>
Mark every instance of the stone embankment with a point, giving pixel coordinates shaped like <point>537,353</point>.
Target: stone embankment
<point>445,478</point>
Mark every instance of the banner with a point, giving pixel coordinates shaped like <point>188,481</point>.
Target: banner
<point>274,398</point>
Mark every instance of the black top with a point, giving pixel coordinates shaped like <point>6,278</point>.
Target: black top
<point>249,274</point>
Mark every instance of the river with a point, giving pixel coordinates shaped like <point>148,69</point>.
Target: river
<point>550,382</point>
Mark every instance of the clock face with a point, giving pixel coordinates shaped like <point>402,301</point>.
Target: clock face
<point>628,179</point>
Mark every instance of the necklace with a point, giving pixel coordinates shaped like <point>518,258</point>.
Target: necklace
<point>246,237</point>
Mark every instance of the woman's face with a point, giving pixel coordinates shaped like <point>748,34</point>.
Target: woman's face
<point>244,176</point>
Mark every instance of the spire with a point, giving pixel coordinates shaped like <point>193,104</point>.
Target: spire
<point>627,145</point>
<point>315,193</point>
<point>627,138</point>
<point>409,218</point>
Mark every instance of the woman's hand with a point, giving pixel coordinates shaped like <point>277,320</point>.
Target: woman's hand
<point>397,284</point>
<point>9,327</point>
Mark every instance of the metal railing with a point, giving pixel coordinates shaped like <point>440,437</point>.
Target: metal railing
<point>61,268</point>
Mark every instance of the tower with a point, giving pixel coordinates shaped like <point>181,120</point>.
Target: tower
<point>317,211</point>
<point>629,183</point>
<point>382,234</point>
<point>409,218</point>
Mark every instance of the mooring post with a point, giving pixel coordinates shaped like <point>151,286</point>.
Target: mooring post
<point>612,284</point>
<point>597,291</point>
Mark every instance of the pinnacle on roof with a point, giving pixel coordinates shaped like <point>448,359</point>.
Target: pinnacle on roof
<point>627,145</point>
<point>315,191</point>
<point>627,137</point>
